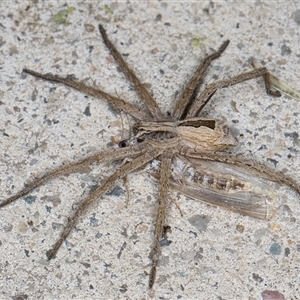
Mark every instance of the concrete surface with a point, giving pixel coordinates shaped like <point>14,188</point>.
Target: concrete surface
<point>43,125</point>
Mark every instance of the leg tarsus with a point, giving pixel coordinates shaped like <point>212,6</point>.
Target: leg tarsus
<point>268,81</point>
<point>152,275</point>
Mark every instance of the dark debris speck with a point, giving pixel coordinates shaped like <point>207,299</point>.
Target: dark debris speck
<point>199,254</point>
<point>165,242</point>
<point>199,221</point>
<point>158,17</point>
<point>262,147</point>
<point>98,235</point>
<point>240,228</point>
<point>87,111</point>
<point>48,122</point>
<point>292,135</point>
<point>72,77</point>
<point>94,222</point>
<point>285,50</point>
<point>34,94</point>
<point>293,150</point>
<point>33,162</point>
<point>275,249</point>
<point>257,278</point>
<point>117,191</point>
<point>56,226</point>
<point>296,16</point>
<point>20,297</point>
<point>121,250</point>
<point>92,188</point>
<point>30,199</point>
<point>273,161</point>
<point>123,289</point>
<point>287,252</point>
<point>86,265</point>
<point>229,250</point>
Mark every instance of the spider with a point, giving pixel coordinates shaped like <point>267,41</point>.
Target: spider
<point>182,135</point>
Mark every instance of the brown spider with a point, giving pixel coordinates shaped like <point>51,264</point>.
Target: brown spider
<point>183,135</point>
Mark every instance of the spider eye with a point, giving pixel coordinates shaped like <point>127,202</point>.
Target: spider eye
<point>123,144</point>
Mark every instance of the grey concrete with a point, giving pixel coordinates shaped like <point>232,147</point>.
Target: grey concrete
<point>43,125</point>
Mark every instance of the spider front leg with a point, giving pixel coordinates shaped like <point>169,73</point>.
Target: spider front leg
<point>103,188</point>
<point>109,155</point>
<point>161,214</point>
<point>197,106</point>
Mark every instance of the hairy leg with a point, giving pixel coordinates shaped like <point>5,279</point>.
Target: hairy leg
<point>117,103</point>
<point>209,91</point>
<point>161,214</point>
<point>138,86</point>
<point>189,90</point>
<point>109,155</point>
<point>106,185</point>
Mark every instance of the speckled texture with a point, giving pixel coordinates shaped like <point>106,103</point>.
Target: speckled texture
<point>43,125</point>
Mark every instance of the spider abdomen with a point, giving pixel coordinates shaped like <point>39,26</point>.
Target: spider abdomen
<point>210,180</point>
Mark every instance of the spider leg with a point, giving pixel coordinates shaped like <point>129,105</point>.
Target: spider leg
<point>109,155</point>
<point>189,90</point>
<point>279,85</point>
<point>248,164</point>
<point>209,91</point>
<point>161,214</point>
<point>138,86</point>
<point>115,102</point>
<point>107,184</point>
